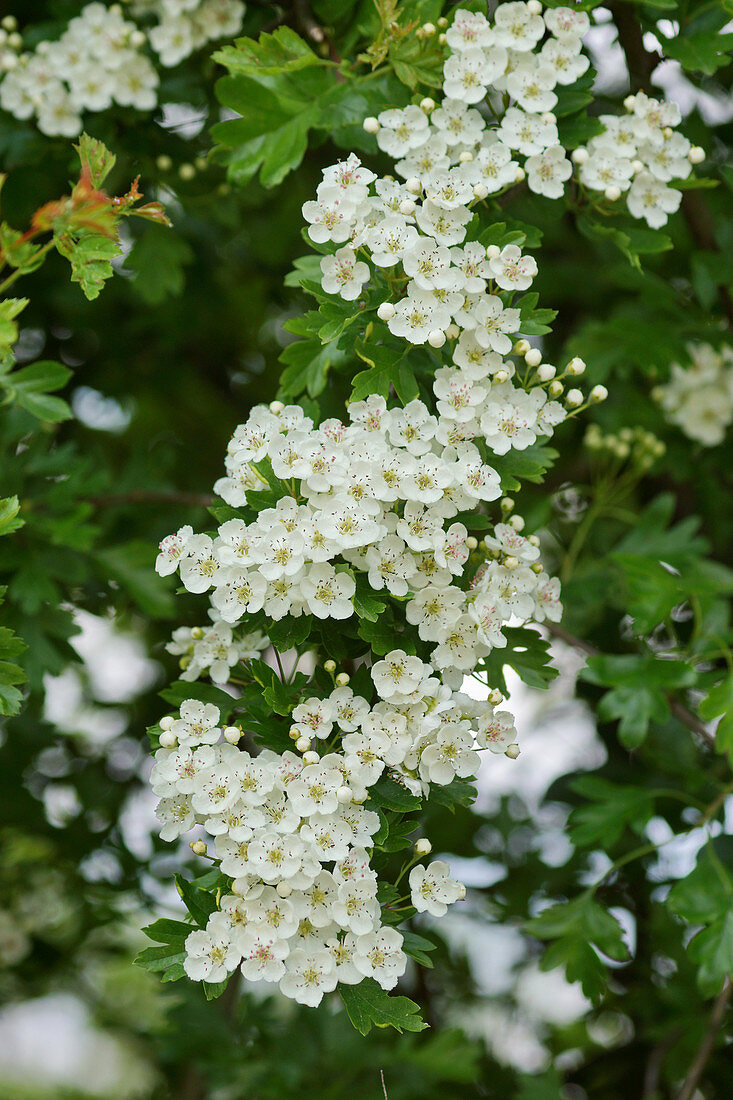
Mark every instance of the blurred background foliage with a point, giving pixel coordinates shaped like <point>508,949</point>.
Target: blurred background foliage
<point>165,362</point>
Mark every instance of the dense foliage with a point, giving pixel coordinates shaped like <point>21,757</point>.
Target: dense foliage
<point>122,387</point>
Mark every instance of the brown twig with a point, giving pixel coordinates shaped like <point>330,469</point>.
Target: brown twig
<point>152,496</point>
<point>384,1087</point>
<point>702,1057</point>
<point>678,708</point>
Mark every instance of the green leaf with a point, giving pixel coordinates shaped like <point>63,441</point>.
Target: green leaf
<point>388,794</point>
<point>9,521</point>
<point>417,947</point>
<point>181,690</point>
<point>368,1005</point>
<point>527,653</point>
<point>640,686</point>
<point>705,52</point>
<point>200,903</point>
<point>10,308</point>
<point>95,158</point>
<point>158,259</point>
<point>91,261</point>
<point>612,808</point>
<point>580,928</point>
<point>718,703</point>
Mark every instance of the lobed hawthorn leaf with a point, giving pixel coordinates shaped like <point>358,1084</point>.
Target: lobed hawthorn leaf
<point>580,928</point>
<point>718,703</point>
<point>611,808</point>
<point>368,1005</point>
<point>527,653</point>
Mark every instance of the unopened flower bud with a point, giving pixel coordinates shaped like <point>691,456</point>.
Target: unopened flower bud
<point>413,185</point>
<point>501,376</point>
<point>386,311</point>
<point>137,39</point>
<point>512,751</point>
<point>533,357</point>
<point>462,895</point>
<point>465,157</point>
<point>492,251</point>
<point>198,847</point>
<point>167,739</point>
<point>573,398</point>
<point>598,393</point>
<point>534,7</point>
<point>579,156</point>
<point>442,23</point>
<point>536,567</point>
<point>576,366</point>
<point>423,847</point>
<point>10,23</point>
<point>480,191</point>
<point>555,388</point>
<point>629,102</point>
<point>164,162</point>
<point>166,723</point>
<point>495,697</point>
<point>472,543</point>
<point>519,175</point>
<point>696,154</point>
<point>517,522</point>
<point>407,207</point>
<point>521,347</point>
<point>344,795</point>
<point>612,193</point>
<point>452,332</point>
<point>533,539</point>
<point>342,679</point>
<point>510,562</point>
<point>507,504</point>
<point>283,889</point>
<point>427,105</point>
<point>442,39</point>
<point>232,734</point>
<point>310,757</point>
<point>637,166</point>
<point>295,733</point>
<point>330,666</point>
<point>371,124</point>
<point>303,744</point>
<point>436,338</point>
<point>546,372</point>
<point>276,407</point>
<point>186,171</point>
<point>428,29</point>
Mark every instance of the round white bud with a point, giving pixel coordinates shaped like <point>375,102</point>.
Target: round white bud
<point>276,407</point>
<point>342,679</point>
<point>164,162</point>
<point>198,847</point>
<point>668,131</point>
<point>521,347</point>
<point>344,795</point>
<point>442,39</point>
<point>534,7</point>
<point>495,697</point>
<point>546,372</point>
<point>423,847</point>
<point>629,102</point>
<point>507,504</point>
<point>533,539</point>
<point>465,157</point>
<point>9,62</point>
<point>598,393</point>
<point>696,154</point>
<point>536,567</point>
<point>517,523</point>
<point>283,889</point>
<point>427,105</point>
<point>371,124</point>
<point>186,171</point>
<point>407,207</point>
<point>612,193</point>
<point>462,895</point>
<point>548,118</point>
<point>533,357</point>
<point>413,185</point>
<point>472,543</point>
<point>637,166</point>
<point>303,744</point>
<point>555,388</point>
<point>480,191</point>
<point>510,562</point>
<point>330,666</point>
<point>167,739</point>
<point>310,757</point>
<point>573,398</point>
<point>166,723</point>
<point>10,23</point>
<point>519,175</point>
<point>493,251</point>
<point>137,39</point>
<point>436,338</point>
<point>386,311</point>
<point>501,376</point>
<point>428,29</point>
<point>232,735</point>
<point>512,751</point>
<point>453,332</point>
<point>579,156</point>
<point>576,366</point>
<point>442,22</point>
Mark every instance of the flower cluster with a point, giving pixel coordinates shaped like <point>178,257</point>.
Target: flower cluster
<point>100,59</point>
<point>213,650</point>
<point>292,831</point>
<point>698,398</point>
<point>637,156</point>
